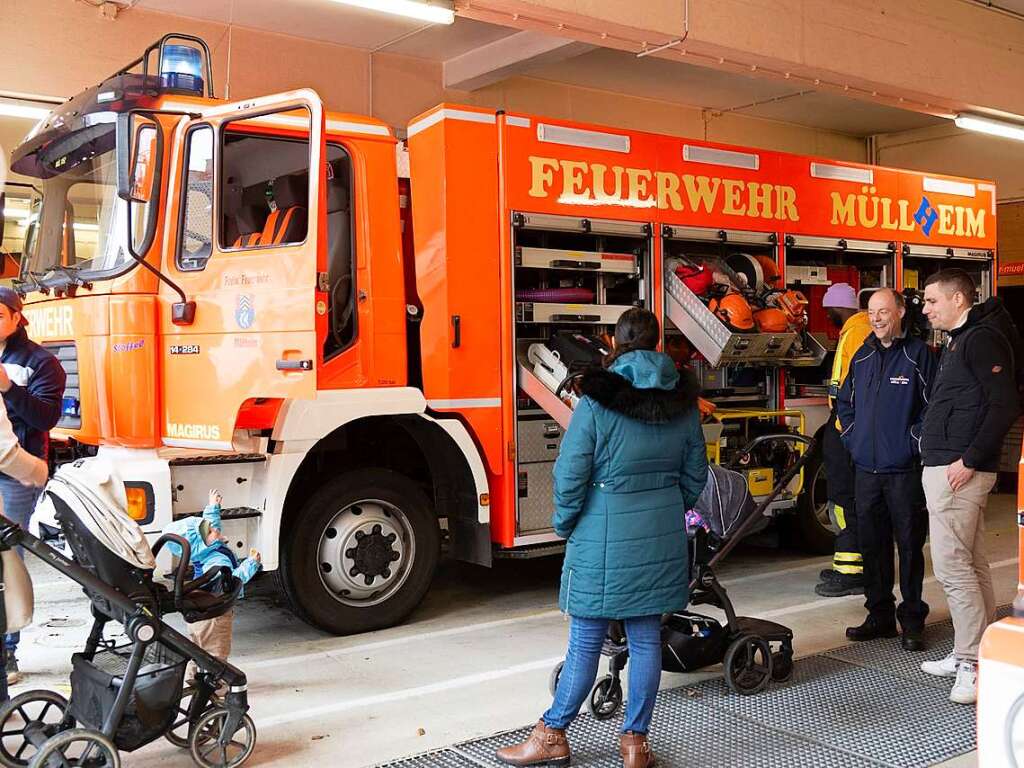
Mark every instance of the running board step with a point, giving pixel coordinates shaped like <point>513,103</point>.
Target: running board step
<point>231,513</point>
<point>223,458</point>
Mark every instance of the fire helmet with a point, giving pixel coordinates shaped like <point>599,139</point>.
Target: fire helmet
<point>733,310</point>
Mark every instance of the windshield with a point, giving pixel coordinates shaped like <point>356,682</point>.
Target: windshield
<point>80,228</point>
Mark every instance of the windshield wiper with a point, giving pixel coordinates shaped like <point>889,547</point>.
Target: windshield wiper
<point>69,272</point>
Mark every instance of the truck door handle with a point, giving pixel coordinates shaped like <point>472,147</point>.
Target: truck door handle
<point>295,365</point>
<point>456,331</point>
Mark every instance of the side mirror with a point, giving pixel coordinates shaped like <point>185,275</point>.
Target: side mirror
<point>139,163</point>
<point>133,156</point>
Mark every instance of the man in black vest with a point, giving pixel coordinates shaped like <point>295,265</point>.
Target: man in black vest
<point>973,404</point>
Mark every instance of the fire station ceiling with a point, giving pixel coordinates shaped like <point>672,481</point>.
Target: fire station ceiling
<point>477,54</point>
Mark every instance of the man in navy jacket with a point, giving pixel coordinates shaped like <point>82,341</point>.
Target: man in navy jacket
<point>32,382</point>
<point>881,406</point>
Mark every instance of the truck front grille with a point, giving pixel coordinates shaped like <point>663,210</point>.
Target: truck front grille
<point>71,409</point>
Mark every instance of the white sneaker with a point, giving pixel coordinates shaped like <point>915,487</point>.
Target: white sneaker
<point>943,668</point>
<point>965,689</point>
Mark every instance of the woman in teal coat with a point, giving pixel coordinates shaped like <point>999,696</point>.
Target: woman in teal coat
<point>631,463</point>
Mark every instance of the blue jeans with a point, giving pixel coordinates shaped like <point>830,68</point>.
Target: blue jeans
<point>19,503</point>
<point>586,636</point>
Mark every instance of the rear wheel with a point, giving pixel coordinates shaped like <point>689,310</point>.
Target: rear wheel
<point>361,553</point>
<point>813,527</point>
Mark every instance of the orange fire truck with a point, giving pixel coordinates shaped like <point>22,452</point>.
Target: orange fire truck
<point>350,354</point>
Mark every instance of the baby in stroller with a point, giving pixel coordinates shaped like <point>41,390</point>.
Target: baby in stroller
<point>126,694</point>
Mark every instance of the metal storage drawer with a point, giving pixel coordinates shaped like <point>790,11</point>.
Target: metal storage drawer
<point>536,489</point>
<point>588,261</point>
<point>539,440</point>
<point>545,312</point>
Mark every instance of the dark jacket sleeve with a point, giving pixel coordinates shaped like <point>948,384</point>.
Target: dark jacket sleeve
<point>40,403</point>
<point>844,402</point>
<point>991,361</point>
<point>927,367</point>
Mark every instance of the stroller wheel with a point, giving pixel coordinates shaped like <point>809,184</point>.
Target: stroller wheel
<point>205,741</point>
<point>748,664</point>
<point>28,720</point>
<point>78,748</point>
<point>179,731</point>
<point>556,673</point>
<point>782,666</point>
<point>605,698</point>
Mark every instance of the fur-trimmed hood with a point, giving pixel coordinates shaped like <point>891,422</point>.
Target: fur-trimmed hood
<point>643,385</point>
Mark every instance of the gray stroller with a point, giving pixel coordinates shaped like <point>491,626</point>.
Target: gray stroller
<point>127,694</point>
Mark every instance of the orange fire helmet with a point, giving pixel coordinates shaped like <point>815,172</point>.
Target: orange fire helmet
<point>771,320</point>
<point>733,310</point>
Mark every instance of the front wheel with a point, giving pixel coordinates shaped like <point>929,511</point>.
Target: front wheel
<point>360,555</point>
<point>814,528</point>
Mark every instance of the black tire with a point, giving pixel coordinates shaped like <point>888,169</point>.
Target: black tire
<point>307,590</point>
<point>605,698</point>
<point>204,741</point>
<point>43,712</point>
<point>782,666</point>
<point>809,530</point>
<point>77,748</point>
<point>748,665</point>
<point>556,673</point>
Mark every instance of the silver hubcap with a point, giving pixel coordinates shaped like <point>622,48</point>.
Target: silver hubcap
<point>365,553</point>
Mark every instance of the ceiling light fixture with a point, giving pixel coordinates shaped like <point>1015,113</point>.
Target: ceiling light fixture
<point>20,110</point>
<point>435,11</point>
<point>989,126</point>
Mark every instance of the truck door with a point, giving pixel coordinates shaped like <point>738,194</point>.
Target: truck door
<point>247,245</point>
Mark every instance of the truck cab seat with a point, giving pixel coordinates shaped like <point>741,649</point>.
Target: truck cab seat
<point>288,223</point>
<point>249,223</point>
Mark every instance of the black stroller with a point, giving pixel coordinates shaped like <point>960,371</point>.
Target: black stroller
<point>752,651</point>
<point>124,696</point>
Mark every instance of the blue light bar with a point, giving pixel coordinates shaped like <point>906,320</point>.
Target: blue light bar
<point>182,68</point>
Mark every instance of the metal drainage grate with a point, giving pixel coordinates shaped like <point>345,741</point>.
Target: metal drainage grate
<point>684,733</point>
<point>866,705</point>
<point>866,712</point>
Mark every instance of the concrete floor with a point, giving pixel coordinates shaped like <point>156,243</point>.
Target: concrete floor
<point>473,660</point>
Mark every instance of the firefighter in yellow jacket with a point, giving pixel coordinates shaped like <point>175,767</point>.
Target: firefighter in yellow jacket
<point>846,576</point>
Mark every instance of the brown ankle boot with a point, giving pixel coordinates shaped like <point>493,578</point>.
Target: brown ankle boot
<point>635,751</point>
<point>545,746</point>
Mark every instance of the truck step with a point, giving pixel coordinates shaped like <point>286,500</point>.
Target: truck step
<point>231,513</point>
<point>221,458</point>
<point>530,552</point>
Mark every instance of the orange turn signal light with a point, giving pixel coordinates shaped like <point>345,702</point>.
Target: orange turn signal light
<point>137,507</point>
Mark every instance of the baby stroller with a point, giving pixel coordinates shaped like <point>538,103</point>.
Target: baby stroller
<point>124,696</point>
<point>752,651</point>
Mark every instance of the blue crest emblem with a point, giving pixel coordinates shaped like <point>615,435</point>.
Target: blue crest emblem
<point>245,312</point>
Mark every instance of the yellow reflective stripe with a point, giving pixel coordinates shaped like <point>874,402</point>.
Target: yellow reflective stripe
<point>848,557</point>
<point>849,570</point>
<point>840,515</point>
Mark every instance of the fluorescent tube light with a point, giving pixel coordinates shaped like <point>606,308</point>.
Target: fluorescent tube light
<point>727,157</point>
<point>578,137</point>
<point>8,109</point>
<point>991,127</point>
<point>425,10</point>
<point>842,173</point>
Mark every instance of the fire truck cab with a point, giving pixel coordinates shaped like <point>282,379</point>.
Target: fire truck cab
<point>258,296</point>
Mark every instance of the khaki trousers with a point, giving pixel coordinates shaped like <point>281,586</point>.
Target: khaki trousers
<point>957,528</point>
<point>213,636</point>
